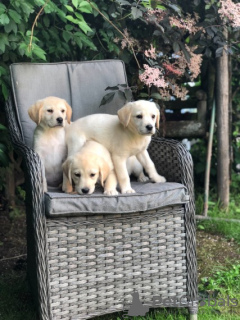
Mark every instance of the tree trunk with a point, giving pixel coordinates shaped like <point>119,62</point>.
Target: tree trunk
<point>222,101</point>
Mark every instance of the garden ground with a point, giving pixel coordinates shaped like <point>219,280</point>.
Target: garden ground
<point>218,272</point>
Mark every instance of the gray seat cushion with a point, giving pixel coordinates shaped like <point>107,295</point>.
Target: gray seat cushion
<point>148,196</point>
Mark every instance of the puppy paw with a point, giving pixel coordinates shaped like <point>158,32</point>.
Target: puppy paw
<point>159,179</point>
<point>128,191</point>
<point>67,189</point>
<point>142,178</point>
<point>110,192</point>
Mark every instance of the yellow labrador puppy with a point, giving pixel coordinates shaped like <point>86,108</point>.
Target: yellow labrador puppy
<point>124,135</point>
<point>93,164</point>
<point>51,115</point>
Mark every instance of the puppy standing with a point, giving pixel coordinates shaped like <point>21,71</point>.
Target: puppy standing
<point>51,116</point>
<point>124,135</point>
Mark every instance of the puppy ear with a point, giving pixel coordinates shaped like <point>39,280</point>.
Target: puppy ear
<point>158,119</point>
<point>69,112</point>
<point>67,165</point>
<point>104,170</point>
<point>35,111</point>
<point>124,114</point>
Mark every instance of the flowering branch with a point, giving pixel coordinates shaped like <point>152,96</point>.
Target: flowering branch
<point>122,34</point>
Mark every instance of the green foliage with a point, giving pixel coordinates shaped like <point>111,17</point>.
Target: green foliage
<point>230,230</point>
<point>225,281</point>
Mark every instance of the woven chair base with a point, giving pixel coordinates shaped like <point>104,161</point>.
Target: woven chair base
<point>97,262</point>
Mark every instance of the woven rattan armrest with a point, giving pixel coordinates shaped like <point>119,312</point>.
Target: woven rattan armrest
<point>173,161</point>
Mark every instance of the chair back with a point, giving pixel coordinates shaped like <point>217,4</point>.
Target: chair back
<point>81,84</point>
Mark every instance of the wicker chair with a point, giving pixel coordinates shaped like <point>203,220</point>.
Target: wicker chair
<point>87,255</point>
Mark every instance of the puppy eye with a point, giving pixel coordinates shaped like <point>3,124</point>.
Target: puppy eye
<point>63,111</point>
<point>153,116</point>
<point>92,174</point>
<point>77,175</point>
<point>139,116</point>
<point>50,110</point>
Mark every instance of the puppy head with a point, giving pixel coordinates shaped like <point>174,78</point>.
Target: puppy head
<point>140,117</point>
<point>85,170</point>
<point>50,112</point>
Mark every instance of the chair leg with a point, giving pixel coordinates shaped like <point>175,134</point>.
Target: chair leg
<point>193,316</point>
<point>193,310</point>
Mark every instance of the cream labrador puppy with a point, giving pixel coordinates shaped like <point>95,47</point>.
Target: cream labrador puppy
<point>93,164</point>
<point>51,115</point>
<point>124,135</point>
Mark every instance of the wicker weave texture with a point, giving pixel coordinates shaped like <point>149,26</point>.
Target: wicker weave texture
<point>96,262</point>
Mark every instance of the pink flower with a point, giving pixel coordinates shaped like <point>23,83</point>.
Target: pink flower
<point>150,53</point>
<point>231,11</point>
<point>188,24</point>
<point>170,68</point>
<point>152,76</point>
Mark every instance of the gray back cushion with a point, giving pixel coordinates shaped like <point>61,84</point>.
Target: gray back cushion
<point>81,84</point>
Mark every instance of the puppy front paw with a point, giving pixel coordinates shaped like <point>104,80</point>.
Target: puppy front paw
<point>128,191</point>
<point>159,179</point>
<point>67,188</point>
<point>110,192</point>
<point>142,178</point>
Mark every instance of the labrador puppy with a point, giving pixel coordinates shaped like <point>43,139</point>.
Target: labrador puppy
<point>93,164</point>
<point>51,115</point>
<point>124,135</point>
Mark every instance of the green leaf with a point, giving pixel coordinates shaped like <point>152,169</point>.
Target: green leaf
<point>86,40</point>
<point>75,3</point>
<point>2,127</point>
<point>136,13</point>
<point>73,20</point>
<point>46,21</point>
<point>2,8</point>
<point>112,88</point>
<point>156,96</point>
<point>69,8</point>
<point>40,53</point>
<point>68,27</point>
<point>3,72</point>
<point>5,91</point>
<point>107,98</point>
<point>66,36</point>
<point>175,8</point>
<point>128,94</point>
<point>79,16</point>
<point>84,26</point>
<point>3,42</point>
<point>85,7</point>
<point>15,16</point>
<point>11,27</point>
<point>4,19</point>
<point>143,95</point>
<point>176,47</point>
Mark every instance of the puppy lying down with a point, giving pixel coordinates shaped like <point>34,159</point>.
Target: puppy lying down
<point>93,164</point>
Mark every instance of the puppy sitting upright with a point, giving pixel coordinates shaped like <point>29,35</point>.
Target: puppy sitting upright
<point>51,116</point>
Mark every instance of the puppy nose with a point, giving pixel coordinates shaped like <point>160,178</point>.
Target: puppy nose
<point>85,190</point>
<point>60,120</point>
<point>149,127</point>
